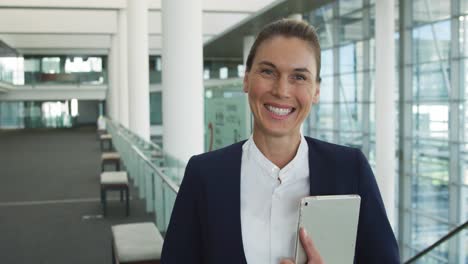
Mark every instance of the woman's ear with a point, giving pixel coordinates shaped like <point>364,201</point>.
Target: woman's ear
<point>316,95</point>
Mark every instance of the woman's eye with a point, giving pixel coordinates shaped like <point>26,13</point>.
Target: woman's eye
<point>267,71</point>
<point>299,77</point>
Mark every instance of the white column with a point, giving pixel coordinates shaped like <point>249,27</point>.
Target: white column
<point>385,110</point>
<point>296,16</point>
<point>113,87</point>
<point>182,78</point>
<point>138,72</point>
<point>123,69</point>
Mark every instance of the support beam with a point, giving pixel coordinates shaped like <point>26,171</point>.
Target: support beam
<point>182,78</point>
<point>123,69</point>
<point>114,80</point>
<point>138,58</point>
<point>385,113</point>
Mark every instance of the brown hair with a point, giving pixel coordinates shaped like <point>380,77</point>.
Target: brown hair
<point>287,28</point>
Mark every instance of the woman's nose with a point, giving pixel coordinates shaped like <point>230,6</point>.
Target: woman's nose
<point>282,88</point>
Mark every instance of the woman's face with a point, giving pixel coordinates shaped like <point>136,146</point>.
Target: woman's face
<point>281,86</point>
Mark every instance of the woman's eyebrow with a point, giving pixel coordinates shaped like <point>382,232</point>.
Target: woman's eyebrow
<point>267,63</point>
<point>270,64</point>
<point>302,70</point>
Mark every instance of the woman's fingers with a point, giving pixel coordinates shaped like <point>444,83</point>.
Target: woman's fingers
<point>311,251</point>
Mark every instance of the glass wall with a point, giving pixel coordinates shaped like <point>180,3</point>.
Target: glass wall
<point>11,70</point>
<point>37,114</point>
<point>222,69</point>
<point>433,70</point>
<point>64,69</point>
<point>345,30</point>
<point>155,68</point>
<point>156,108</point>
<point>432,50</point>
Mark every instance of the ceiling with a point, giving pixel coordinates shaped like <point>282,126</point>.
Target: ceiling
<point>228,45</point>
<point>83,26</point>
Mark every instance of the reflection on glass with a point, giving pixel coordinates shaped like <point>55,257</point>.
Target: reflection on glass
<point>431,81</point>
<point>431,194</point>
<point>64,70</point>
<point>432,42</point>
<point>350,116</point>
<point>352,139</point>
<point>463,37</point>
<point>346,6</point>
<point>326,62</point>
<point>348,58</point>
<point>156,108</point>
<point>430,10</point>
<point>11,70</point>
<point>321,15</point>
<point>325,36</point>
<point>427,231</point>
<point>431,121</point>
<point>326,90</point>
<point>351,28</point>
<point>325,116</point>
<point>351,87</point>
<point>440,253</point>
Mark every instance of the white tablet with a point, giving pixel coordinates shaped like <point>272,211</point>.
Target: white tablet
<point>331,222</point>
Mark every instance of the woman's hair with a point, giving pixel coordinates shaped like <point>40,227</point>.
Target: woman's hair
<point>287,28</point>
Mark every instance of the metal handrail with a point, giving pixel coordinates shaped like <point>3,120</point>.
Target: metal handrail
<point>156,184</point>
<point>163,176</point>
<point>438,242</point>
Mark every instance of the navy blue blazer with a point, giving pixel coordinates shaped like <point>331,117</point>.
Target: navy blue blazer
<point>205,225</point>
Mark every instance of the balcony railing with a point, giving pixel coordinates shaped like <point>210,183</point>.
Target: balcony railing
<point>155,174</point>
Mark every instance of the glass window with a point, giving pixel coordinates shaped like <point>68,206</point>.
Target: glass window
<point>426,231</point>
<point>431,81</point>
<point>156,108</point>
<point>351,139</point>
<point>32,65</point>
<point>431,120</point>
<point>430,10</point>
<point>432,42</point>
<point>321,15</point>
<point>51,65</point>
<point>223,73</point>
<point>431,194</point>
<point>324,116</point>
<point>463,38</point>
<point>326,90</point>
<point>346,6</point>
<point>430,158</point>
<point>351,87</point>
<point>347,58</point>
<point>326,62</point>
<point>351,28</point>
<point>83,64</point>
<point>325,34</point>
<point>350,116</point>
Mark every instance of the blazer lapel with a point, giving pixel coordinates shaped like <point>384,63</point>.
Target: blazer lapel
<point>317,169</point>
<point>233,178</point>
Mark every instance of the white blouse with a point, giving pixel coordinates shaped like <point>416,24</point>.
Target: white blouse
<point>270,203</point>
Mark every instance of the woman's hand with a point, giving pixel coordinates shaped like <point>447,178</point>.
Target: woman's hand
<point>313,256</point>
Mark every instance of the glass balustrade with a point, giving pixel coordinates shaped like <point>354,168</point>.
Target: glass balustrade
<point>156,174</point>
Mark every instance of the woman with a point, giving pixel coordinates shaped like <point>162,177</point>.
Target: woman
<point>240,204</point>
